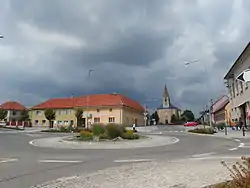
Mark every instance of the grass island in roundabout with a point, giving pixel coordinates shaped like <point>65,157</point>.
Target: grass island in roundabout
<point>100,132</point>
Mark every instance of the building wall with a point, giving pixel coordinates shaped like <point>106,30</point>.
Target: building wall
<point>220,116</point>
<point>131,116</point>
<point>166,114</point>
<point>96,115</point>
<point>239,92</point>
<point>13,115</point>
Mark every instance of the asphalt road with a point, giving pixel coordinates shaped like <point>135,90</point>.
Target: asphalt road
<point>23,165</point>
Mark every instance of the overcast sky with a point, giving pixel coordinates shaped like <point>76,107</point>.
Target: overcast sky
<point>133,47</point>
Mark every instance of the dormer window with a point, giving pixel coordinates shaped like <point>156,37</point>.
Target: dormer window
<point>98,110</point>
<point>110,109</point>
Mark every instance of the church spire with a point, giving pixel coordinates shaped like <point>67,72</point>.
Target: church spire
<point>165,94</point>
<point>166,98</point>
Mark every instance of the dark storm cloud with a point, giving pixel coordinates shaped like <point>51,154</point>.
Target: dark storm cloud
<point>139,49</point>
<point>133,47</point>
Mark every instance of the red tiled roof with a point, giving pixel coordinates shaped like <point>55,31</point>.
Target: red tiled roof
<point>12,105</point>
<point>96,100</point>
<point>220,103</point>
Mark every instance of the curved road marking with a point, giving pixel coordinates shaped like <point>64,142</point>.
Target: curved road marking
<point>133,160</point>
<point>207,158</point>
<point>203,154</point>
<point>7,160</point>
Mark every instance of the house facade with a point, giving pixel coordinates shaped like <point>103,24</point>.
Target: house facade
<point>100,108</point>
<point>14,110</point>
<point>221,110</point>
<point>239,92</point>
<point>167,110</point>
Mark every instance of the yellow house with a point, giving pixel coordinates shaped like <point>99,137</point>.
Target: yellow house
<point>99,108</point>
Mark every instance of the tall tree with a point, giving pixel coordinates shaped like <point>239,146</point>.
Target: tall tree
<point>50,115</point>
<point>25,115</point>
<point>3,114</point>
<point>156,116</point>
<point>187,115</point>
<point>78,115</point>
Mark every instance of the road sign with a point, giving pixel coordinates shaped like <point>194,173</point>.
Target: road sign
<point>145,113</point>
<point>244,76</point>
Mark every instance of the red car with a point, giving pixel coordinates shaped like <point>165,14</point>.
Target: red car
<point>191,124</point>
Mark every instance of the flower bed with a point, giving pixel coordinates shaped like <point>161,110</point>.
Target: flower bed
<point>107,132</point>
<point>202,131</point>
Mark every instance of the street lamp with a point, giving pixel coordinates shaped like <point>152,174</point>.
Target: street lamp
<point>87,114</point>
<point>187,63</point>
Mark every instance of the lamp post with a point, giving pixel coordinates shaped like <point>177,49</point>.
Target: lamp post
<point>87,113</point>
<point>187,63</point>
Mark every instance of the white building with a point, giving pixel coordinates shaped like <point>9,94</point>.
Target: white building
<point>14,110</point>
<point>239,92</point>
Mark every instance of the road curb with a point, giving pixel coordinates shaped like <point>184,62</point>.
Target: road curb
<point>61,143</point>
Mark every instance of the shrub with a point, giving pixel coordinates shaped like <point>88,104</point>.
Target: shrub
<point>98,129</point>
<point>85,135</point>
<point>129,131</point>
<point>202,131</point>
<point>240,172</point>
<point>220,126</point>
<point>104,136</point>
<point>64,129</point>
<point>130,136</point>
<point>114,130</point>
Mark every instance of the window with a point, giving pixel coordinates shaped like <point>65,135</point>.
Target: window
<point>97,120</point>
<point>36,122</point>
<point>59,122</point>
<point>59,112</point>
<point>43,121</point>
<point>98,110</point>
<point>68,111</point>
<point>241,87</point>
<point>110,109</point>
<point>14,113</point>
<point>111,119</point>
<point>38,112</point>
<point>71,122</point>
<point>66,122</point>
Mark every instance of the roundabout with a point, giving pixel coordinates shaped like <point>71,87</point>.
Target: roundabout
<point>66,143</point>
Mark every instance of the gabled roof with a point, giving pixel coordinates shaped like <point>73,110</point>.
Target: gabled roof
<point>220,103</point>
<point>170,107</point>
<point>96,100</point>
<point>12,105</point>
<point>229,74</point>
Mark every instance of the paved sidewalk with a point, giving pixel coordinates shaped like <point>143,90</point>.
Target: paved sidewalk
<point>233,134</point>
<point>61,142</point>
<point>191,174</point>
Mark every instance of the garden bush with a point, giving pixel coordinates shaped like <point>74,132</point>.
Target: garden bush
<point>240,174</point>
<point>98,129</point>
<point>85,135</point>
<point>104,136</point>
<point>130,136</point>
<point>202,131</point>
<point>114,130</point>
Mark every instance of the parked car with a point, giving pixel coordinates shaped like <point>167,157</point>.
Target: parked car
<point>191,124</point>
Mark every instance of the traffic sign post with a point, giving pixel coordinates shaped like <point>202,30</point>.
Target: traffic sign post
<point>244,76</point>
<point>145,119</point>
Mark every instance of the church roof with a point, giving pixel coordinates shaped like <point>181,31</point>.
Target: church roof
<point>170,107</point>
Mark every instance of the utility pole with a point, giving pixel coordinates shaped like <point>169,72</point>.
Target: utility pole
<point>145,117</point>
<point>87,113</point>
<point>211,112</point>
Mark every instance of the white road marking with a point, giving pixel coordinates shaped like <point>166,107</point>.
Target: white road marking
<point>232,149</point>
<point>241,145</point>
<point>6,160</point>
<point>133,160</point>
<point>207,158</point>
<point>203,154</point>
<point>237,140</point>
<point>58,161</point>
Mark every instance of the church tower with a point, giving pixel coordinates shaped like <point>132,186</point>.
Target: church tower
<point>166,98</point>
